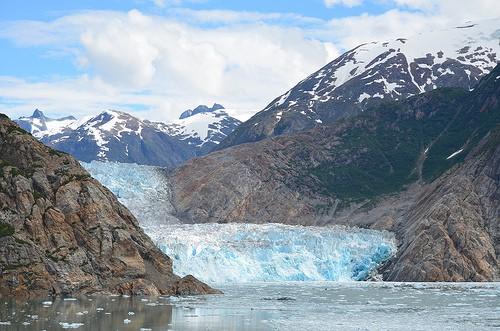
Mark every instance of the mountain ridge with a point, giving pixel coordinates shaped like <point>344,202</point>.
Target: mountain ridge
<point>118,136</point>
<point>377,71</point>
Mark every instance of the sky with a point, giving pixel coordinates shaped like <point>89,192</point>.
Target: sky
<point>157,58</point>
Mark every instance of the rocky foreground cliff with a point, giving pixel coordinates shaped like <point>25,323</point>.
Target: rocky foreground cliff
<point>63,233</point>
<point>426,168</point>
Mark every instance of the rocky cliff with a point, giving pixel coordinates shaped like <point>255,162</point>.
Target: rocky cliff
<point>452,231</point>
<point>63,233</point>
<point>425,168</point>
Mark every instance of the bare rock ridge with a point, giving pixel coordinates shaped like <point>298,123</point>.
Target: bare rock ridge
<point>425,168</point>
<point>63,233</point>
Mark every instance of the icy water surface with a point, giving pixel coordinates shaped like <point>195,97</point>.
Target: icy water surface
<point>274,306</point>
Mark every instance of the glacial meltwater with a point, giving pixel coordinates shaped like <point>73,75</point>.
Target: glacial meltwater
<point>312,306</point>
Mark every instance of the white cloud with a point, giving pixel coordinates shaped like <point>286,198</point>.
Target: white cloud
<point>243,60</point>
<point>169,65</point>
<point>347,3</point>
<point>353,31</point>
<point>164,3</point>
<point>416,4</point>
<point>349,32</point>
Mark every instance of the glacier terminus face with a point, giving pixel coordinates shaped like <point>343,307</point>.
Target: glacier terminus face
<point>239,253</point>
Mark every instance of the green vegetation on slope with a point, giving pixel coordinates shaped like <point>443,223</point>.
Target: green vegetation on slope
<point>6,230</point>
<point>397,143</point>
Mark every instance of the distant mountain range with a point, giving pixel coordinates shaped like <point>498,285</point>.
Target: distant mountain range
<point>118,136</point>
<point>372,72</point>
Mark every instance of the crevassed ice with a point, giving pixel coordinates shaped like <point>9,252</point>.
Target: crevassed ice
<point>218,253</point>
<point>144,190</point>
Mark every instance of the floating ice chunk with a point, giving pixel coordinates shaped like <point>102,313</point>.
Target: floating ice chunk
<point>455,154</point>
<point>47,303</point>
<point>65,325</point>
<point>126,321</point>
<point>70,299</point>
<point>131,313</point>
<point>4,322</point>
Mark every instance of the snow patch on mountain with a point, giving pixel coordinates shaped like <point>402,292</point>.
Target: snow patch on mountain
<point>203,125</point>
<point>40,125</point>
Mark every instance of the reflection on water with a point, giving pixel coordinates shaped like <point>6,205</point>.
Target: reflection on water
<point>273,306</point>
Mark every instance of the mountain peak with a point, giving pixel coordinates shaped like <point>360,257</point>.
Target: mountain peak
<point>201,109</point>
<point>38,114</point>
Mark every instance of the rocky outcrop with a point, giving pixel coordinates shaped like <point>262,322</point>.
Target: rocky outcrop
<point>63,233</point>
<point>452,231</point>
<point>425,168</point>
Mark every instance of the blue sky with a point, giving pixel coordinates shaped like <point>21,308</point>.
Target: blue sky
<point>49,9</point>
<point>156,58</point>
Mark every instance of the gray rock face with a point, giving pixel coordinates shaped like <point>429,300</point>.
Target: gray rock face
<point>425,168</point>
<point>200,109</point>
<point>373,72</point>
<point>452,232</point>
<point>62,233</point>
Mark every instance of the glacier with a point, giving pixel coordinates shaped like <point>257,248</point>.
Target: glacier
<point>144,190</point>
<point>239,253</point>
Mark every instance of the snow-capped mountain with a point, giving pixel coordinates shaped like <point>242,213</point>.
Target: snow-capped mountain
<point>39,125</point>
<point>393,70</point>
<point>203,127</point>
<point>118,136</point>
